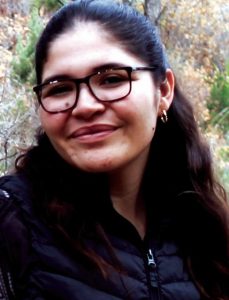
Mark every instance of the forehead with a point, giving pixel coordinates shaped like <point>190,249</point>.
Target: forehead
<point>84,47</point>
<point>83,32</point>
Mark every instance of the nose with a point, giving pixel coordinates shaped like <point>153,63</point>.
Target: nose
<point>87,105</point>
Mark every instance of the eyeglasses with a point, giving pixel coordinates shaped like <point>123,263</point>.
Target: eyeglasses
<point>108,85</point>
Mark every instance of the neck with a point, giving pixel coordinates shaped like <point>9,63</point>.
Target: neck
<point>126,196</point>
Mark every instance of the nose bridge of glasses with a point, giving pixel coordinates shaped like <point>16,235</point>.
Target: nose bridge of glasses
<point>86,81</point>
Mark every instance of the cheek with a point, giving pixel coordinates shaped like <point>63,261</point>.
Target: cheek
<point>147,111</point>
<point>52,123</point>
<point>148,118</point>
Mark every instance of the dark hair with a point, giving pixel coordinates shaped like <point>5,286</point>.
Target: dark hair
<point>133,30</point>
<point>179,166</point>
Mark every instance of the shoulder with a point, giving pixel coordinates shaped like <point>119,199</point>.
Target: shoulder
<point>14,234</point>
<point>19,191</point>
<point>16,184</point>
<point>15,241</point>
<point>13,189</point>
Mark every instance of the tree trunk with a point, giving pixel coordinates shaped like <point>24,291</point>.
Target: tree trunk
<point>153,10</point>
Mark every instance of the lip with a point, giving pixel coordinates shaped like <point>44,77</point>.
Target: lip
<point>93,133</point>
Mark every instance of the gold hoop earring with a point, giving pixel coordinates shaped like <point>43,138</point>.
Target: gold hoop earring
<point>164,117</point>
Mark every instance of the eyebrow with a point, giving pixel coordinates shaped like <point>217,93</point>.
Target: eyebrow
<point>93,70</point>
<point>108,66</point>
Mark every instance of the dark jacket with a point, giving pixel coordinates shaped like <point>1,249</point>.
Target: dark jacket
<point>42,268</point>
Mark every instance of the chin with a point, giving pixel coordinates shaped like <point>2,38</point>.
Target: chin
<point>95,166</point>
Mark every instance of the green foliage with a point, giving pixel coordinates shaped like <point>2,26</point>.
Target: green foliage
<point>50,5</point>
<point>23,68</point>
<point>222,168</point>
<point>218,105</point>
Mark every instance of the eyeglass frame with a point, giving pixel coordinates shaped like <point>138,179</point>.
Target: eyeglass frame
<point>86,80</point>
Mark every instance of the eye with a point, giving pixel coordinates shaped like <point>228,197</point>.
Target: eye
<point>58,89</point>
<point>111,79</point>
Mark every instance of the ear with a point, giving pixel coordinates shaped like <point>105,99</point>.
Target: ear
<point>166,92</point>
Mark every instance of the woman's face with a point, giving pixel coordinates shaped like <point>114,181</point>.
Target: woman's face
<point>99,136</point>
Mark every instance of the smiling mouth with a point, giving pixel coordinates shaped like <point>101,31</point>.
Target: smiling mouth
<point>93,133</point>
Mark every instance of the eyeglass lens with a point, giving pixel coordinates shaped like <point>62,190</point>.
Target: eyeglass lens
<point>105,86</point>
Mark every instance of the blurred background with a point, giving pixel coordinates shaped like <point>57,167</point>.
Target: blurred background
<point>195,34</point>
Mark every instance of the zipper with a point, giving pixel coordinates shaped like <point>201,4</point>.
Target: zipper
<point>152,266</point>
<point>152,276</point>
<point>151,260</point>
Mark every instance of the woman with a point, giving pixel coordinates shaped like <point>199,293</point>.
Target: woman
<point>118,199</point>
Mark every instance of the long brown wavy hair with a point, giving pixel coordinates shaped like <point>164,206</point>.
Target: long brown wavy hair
<point>178,178</point>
